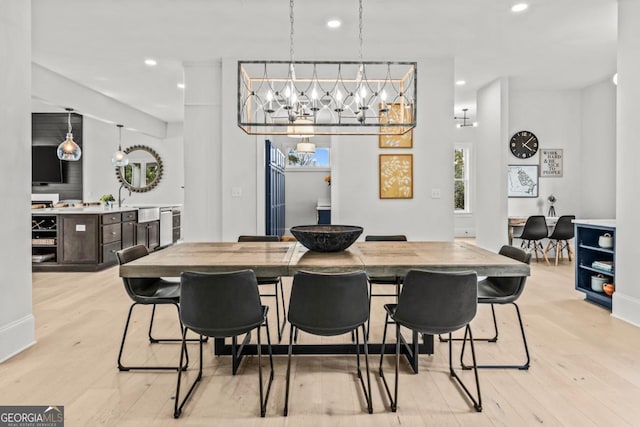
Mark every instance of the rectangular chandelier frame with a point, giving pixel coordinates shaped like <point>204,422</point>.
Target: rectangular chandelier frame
<point>306,98</point>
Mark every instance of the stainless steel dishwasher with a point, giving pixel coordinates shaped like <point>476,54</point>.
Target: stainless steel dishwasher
<point>166,226</point>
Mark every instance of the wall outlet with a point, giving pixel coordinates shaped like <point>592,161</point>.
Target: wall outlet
<point>435,193</point>
<point>236,191</point>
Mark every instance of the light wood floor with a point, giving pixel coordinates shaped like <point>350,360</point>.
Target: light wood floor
<point>584,369</point>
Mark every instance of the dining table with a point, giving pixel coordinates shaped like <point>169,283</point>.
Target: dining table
<point>286,258</point>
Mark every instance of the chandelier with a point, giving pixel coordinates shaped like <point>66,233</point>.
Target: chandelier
<point>464,119</point>
<point>306,98</point>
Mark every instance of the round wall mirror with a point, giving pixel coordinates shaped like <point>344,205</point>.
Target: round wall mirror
<point>144,170</point>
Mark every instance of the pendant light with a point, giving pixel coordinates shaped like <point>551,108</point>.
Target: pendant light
<point>305,147</point>
<point>68,150</point>
<point>119,157</point>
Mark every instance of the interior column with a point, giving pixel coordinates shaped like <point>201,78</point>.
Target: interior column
<point>202,213</point>
<point>17,325</point>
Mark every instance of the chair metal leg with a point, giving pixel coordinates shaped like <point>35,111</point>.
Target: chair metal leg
<point>264,397</point>
<point>153,340</point>
<point>286,394</point>
<point>177,408</point>
<point>121,367</point>
<point>477,404</point>
<point>393,400</point>
<point>524,366</point>
<point>492,339</point>
<point>366,389</point>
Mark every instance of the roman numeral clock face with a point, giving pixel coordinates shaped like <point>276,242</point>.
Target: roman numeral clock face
<point>523,144</point>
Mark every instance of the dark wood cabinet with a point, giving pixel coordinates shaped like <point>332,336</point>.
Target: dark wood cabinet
<point>128,234</point>
<point>79,239</point>
<point>176,225</point>
<point>148,234</point>
<point>80,242</point>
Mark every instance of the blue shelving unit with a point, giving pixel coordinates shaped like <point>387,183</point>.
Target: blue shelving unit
<point>588,251</point>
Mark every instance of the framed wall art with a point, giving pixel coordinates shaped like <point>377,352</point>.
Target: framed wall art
<point>522,181</point>
<point>396,176</point>
<point>396,114</point>
<point>551,162</point>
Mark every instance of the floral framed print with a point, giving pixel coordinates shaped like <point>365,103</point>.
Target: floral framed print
<point>396,176</point>
<point>522,181</point>
<point>396,114</point>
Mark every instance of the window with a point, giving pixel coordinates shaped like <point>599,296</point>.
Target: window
<point>319,159</point>
<point>461,162</point>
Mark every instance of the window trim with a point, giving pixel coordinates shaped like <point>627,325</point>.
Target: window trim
<point>468,155</point>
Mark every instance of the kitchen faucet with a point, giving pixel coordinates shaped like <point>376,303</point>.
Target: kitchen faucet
<point>120,199</point>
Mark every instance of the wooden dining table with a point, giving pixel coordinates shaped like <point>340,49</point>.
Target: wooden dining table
<point>286,258</point>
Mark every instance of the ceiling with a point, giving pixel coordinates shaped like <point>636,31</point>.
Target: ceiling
<point>102,44</point>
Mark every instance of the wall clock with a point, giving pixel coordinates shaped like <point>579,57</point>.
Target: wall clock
<point>523,144</point>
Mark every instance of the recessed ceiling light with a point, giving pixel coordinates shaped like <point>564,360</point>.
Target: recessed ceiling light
<point>461,82</point>
<point>615,79</point>
<point>150,62</point>
<point>180,85</point>
<point>519,7</point>
<point>334,23</point>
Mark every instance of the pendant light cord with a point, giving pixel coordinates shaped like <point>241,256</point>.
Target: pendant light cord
<point>69,120</point>
<point>360,28</point>
<point>291,19</point>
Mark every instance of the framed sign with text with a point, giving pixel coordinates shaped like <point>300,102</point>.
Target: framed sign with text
<point>551,162</point>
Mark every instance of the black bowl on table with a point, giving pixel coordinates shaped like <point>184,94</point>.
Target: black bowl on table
<point>326,238</point>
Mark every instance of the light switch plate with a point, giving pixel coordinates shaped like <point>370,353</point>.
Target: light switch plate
<point>236,191</point>
<point>435,193</point>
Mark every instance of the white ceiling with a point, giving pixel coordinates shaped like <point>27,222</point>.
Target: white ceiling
<point>102,44</point>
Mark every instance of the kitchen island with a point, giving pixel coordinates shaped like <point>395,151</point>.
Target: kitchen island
<point>87,238</point>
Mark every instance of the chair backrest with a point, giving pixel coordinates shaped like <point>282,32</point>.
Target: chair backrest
<point>435,302</point>
<point>564,228</point>
<point>220,304</point>
<point>511,287</point>
<point>535,228</point>
<point>270,238</point>
<point>328,304</point>
<point>136,287</point>
<point>386,238</point>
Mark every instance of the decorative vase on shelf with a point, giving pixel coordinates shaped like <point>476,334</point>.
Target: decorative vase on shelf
<point>552,211</point>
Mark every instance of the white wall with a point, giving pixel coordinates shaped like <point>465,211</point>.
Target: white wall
<point>100,140</point>
<point>626,299</point>
<point>354,166</point>
<point>303,188</point>
<point>17,325</point>
<point>597,185</point>
<point>554,117</point>
<point>491,161</point>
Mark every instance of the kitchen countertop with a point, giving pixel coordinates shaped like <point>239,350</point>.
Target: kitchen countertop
<point>100,209</point>
<point>596,222</point>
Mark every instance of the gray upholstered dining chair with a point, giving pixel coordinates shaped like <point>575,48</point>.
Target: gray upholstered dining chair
<point>222,305</point>
<point>535,229</point>
<point>147,291</point>
<point>560,236</point>
<point>329,305</point>
<point>434,303</point>
<point>278,290</point>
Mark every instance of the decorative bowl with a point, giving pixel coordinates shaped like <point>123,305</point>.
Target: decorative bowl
<point>326,238</point>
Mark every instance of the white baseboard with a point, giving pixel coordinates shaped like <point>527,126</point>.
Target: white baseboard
<point>626,308</point>
<point>16,337</point>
